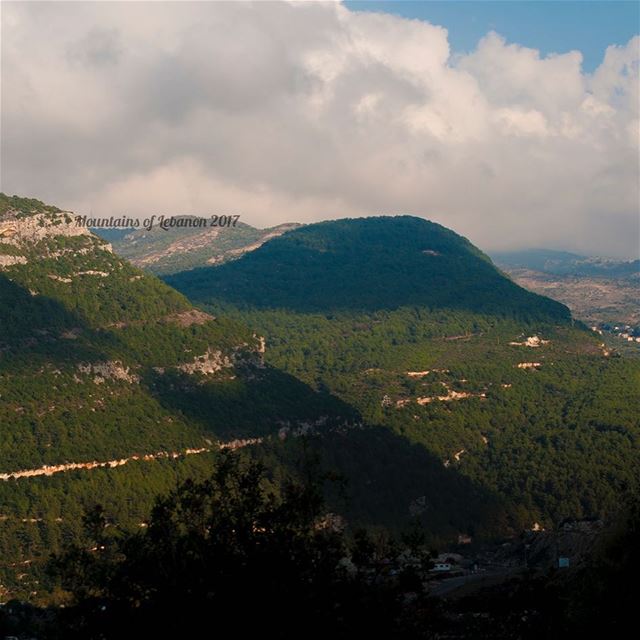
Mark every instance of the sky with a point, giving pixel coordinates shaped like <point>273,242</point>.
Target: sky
<point>588,26</point>
<point>515,124</point>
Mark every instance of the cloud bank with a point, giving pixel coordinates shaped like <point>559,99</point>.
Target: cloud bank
<point>309,111</point>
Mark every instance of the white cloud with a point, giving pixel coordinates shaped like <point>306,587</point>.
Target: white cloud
<point>304,111</point>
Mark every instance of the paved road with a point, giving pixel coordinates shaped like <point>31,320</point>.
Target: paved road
<point>448,585</point>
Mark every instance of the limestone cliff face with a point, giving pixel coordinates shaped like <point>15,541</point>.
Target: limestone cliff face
<point>112,370</point>
<point>43,234</point>
<point>16,230</point>
<point>10,260</point>
<point>88,339</point>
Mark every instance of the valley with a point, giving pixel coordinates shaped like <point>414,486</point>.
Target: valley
<point>603,293</point>
<point>438,390</point>
<point>319,319</point>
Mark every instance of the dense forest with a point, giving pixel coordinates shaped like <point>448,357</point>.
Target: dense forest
<point>411,393</point>
<point>102,362</point>
<point>263,556</point>
<point>414,327</point>
<point>368,264</point>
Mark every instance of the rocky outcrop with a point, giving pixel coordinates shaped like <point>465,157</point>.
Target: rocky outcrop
<point>9,261</point>
<point>49,470</point>
<point>112,370</point>
<point>190,317</point>
<point>236,253</point>
<point>532,341</point>
<point>56,278</point>
<point>212,361</point>
<point>36,230</point>
<point>529,365</point>
<point>39,226</point>
<point>451,395</point>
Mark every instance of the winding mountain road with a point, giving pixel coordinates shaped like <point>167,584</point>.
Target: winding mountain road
<point>49,470</point>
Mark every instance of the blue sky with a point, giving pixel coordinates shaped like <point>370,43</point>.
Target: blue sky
<point>552,26</point>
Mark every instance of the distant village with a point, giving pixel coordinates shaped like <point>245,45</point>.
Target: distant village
<point>468,566</point>
<point>623,331</point>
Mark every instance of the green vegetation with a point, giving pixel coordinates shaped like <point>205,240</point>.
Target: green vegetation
<point>368,265</point>
<point>101,361</point>
<point>235,543</point>
<point>24,206</point>
<point>357,308</point>
<point>94,366</point>
<point>264,554</point>
<point>542,439</point>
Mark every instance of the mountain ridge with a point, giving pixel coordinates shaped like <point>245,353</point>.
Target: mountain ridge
<point>418,330</point>
<point>567,263</point>
<point>164,252</point>
<point>417,262</point>
<point>426,408</point>
<point>100,361</point>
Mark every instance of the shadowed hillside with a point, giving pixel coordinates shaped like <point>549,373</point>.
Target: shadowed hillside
<point>367,264</point>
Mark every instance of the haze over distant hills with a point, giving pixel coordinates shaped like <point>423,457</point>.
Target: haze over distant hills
<point>601,291</point>
<point>566,263</point>
<point>164,252</point>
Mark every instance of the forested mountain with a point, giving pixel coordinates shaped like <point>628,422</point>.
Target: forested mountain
<point>103,363</point>
<point>164,251</point>
<point>368,264</point>
<point>415,327</point>
<point>113,387</point>
<point>436,387</point>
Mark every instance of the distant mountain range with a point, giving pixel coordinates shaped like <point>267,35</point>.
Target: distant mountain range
<point>164,252</point>
<point>600,291</point>
<point>564,263</point>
